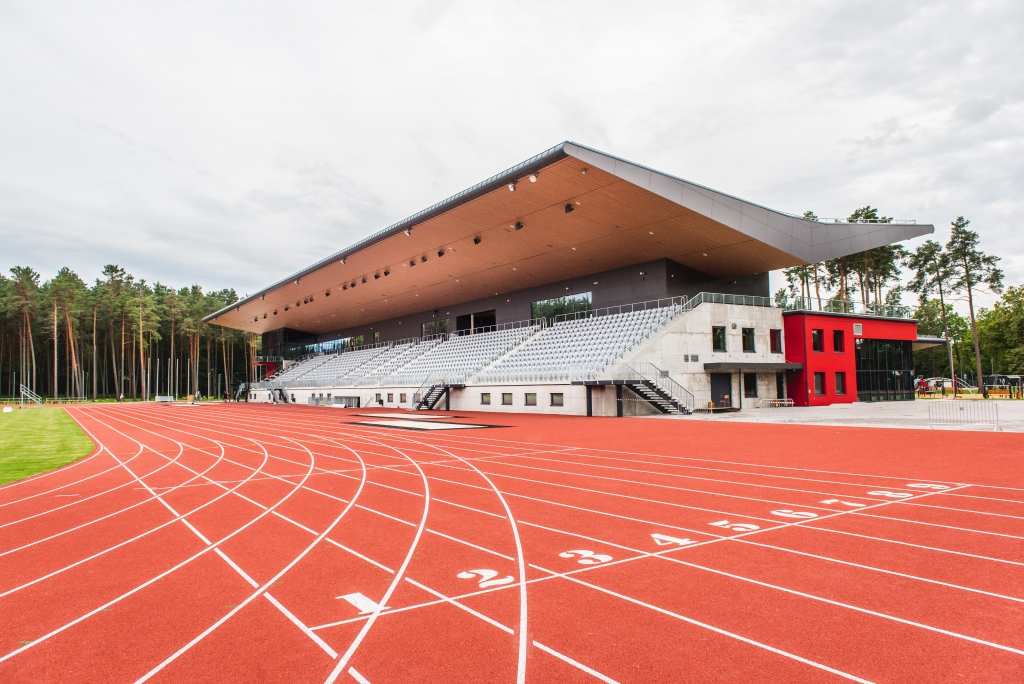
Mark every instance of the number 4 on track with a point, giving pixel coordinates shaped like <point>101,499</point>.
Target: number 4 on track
<point>665,540</point>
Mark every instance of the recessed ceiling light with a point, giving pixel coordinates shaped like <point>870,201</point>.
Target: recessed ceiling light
<point>584,172</point>
<point>574,249</point>
<point>595,282</point>
<point>512,186</point>
<point>705,253</point>
<point>533,178</point>
<point>650,232</point>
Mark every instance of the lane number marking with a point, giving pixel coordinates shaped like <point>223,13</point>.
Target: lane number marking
<point>892,495</point>
<point>921,485</point>
<point>845,503</point>
<point>362,603</point>
<point>739,527</point>
<point>665,540</point>
<point>786,513</point>
<point>586,557</point>
<point>487,578</point>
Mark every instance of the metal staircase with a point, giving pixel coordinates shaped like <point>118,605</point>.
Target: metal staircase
<point>29,395</point>
<point>658,389</point>
<point>429,399</point>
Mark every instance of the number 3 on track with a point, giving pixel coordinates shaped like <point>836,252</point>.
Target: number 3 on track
<point>921,485</point>
<point>786,513</point>
<point>586,557</point>
<point>486,578</point>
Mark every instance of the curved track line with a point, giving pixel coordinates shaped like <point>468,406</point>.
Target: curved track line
<point>260,590</point>
<point>343,661</point>
<point>142,586</point>
<point>62,469</point>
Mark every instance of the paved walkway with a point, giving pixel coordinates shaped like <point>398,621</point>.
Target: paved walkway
<point>896,414</point>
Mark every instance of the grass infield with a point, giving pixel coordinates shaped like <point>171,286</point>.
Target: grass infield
<point>36,440</point>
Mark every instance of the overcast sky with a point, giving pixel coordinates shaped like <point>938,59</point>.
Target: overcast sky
<point>232,143</point>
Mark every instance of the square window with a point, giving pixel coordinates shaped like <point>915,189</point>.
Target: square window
<point>748,340</point>
<point>391,397</point>
<point>531,398</point>
<point>401,398</point>
<point>718,338</point>
<point>506,398</point>
<point>485,398</point>
<point>819,384</point>
<point>750,385</point>
<point>694,358</point>
<point>557,399</point>
<point>776,341</point>
<point>686,358</point>
<point>838,341</point>
<point>818,340</point>
<point>840,383</point>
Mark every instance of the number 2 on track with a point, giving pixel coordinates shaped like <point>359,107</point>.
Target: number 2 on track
<point>486,578</point>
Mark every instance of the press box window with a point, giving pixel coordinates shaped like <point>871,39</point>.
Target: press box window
<point>391,398</point>
<point>775,336</point>
<point>401,398</point>
<point>840,383</point>
<point>838,341</point>
<point>718,338</point>
<point>819,384</point>
<point>557,399</point>
<point>531,398</point>
<point>748,340</point>
<point>485,398</point>
<point>750,385</point>
<point>506,398</point>
<point>818,340</point>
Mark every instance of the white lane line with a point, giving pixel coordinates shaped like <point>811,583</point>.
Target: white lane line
<point>305,630</point>
<point>470,508</point>
<point>481,548</point>
<point>717,630</point>
<point>448,599</point>
<point>237,569</point>
<point>339,668</point>
<point>358,677</point>
<point>299,525</point>
<point>67,495</point>
<point>575,663</point>
<point>273,579</point>
<point>359,555</point>
<point>197,532</point>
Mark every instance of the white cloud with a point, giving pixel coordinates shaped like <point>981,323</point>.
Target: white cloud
<point>233,143</point>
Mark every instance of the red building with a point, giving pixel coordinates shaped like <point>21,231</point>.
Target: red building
<point>849,357</point>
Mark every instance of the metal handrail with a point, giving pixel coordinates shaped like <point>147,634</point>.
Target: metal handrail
<point>26,393</point>
<point>661,378</point>
<point>846,306</point>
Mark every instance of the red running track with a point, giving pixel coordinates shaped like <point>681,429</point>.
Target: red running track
<point>261,543</point>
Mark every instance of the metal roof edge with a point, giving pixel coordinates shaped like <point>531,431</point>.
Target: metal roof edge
<point>534,163</point>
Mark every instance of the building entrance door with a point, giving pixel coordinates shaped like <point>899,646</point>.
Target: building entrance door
<point>721,390</point>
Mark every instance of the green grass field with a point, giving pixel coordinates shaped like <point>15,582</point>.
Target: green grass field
<point>36,440</point>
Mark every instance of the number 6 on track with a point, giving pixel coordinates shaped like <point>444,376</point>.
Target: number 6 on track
<point>786,513</point>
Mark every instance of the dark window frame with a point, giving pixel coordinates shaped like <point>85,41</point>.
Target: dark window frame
<point>775,340</point>
<point>840,383</point>
<point>718,334</point>
<point>750,380</point>
<point>530,399</point>
<point>818,340</point>
<point>561,399</point>
<point>749,336</point>
<point>838,341</point>
<point>506,398</point>
<point>485,398</point>
<point>819,384</point>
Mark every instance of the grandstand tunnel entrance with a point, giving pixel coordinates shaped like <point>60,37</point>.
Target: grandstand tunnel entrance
<point>721,390</point>
<point>473,321</point>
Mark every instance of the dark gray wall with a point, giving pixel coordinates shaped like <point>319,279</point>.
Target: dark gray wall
<point>638,283</point>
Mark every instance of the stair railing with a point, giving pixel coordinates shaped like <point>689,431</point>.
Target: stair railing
<point>651,373</point>
<point>26,393</point>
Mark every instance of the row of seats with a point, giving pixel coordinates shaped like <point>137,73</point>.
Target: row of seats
<point>559,352</point>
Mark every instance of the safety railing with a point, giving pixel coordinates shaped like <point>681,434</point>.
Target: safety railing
<point>644,371</point>
<point>776,410</point>
<point>845,306</point>
<point>971,413</point>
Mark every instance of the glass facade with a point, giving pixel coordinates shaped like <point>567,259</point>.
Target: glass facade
<point>885,370</point>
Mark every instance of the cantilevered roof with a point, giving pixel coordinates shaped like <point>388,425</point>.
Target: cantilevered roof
<point>585,212</point>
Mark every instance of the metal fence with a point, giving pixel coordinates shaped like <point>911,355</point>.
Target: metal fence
<point>976,413</point>
<point>776,410</point>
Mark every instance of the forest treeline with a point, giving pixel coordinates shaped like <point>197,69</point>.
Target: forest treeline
<point>987,341</point>
<point>118,336</point>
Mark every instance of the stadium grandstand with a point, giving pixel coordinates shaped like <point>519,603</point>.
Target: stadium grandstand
<point>579,283</point>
